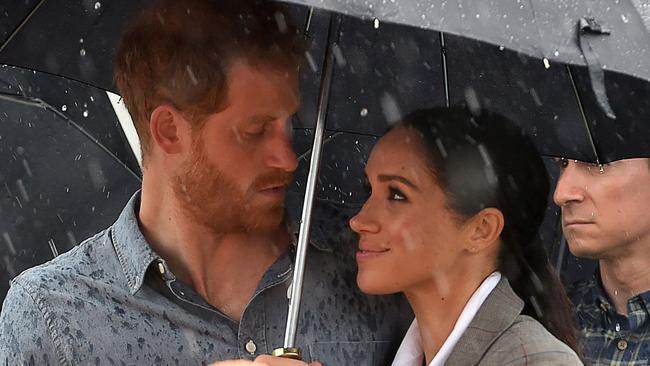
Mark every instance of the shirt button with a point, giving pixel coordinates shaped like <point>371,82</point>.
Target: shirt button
<point>251,347</point>
<point>621,345</point>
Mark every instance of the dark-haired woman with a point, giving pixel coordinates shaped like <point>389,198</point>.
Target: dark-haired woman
<point>452,221</point>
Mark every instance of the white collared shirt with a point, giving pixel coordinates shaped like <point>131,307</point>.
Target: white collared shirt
<point>411,353</point>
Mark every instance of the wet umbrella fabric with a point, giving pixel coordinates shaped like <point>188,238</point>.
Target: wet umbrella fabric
<point>538,28</point>
<point>76,39</point>
<point>60,184</point>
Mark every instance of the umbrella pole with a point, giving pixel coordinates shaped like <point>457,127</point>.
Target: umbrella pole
<point>289,350</point>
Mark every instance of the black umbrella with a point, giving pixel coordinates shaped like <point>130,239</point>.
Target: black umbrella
<point>60,174</point>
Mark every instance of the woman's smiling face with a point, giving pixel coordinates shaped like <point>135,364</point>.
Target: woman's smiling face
<point>407,235</point>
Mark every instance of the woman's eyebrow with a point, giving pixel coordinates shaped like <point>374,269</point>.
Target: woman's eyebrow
<point>399,178</point>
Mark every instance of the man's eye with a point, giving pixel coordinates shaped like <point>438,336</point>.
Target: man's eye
<point>396,195</point>
<point>254,133</point>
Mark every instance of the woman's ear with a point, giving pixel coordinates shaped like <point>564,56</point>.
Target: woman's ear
<point>168,128</point>
<point>483,230</point>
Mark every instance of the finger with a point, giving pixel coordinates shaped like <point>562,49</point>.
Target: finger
<point>278,361</point>
<point>233,363</point>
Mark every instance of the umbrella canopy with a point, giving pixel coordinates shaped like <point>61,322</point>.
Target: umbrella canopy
<point>538,28</point>
<point>60,183</point>
<point>400,46</point>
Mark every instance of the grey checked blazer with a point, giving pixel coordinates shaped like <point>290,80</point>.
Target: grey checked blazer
<point>499,335</point>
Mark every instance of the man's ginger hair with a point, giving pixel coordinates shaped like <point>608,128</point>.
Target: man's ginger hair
<point>179,53</point>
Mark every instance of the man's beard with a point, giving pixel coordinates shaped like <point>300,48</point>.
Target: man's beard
<point>215,201</point>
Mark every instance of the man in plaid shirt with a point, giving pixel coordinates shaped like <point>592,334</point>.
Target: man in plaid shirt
<point>605,217</point>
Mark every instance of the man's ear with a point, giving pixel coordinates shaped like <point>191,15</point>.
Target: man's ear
<point>483,229</point>
<point>167,127</point>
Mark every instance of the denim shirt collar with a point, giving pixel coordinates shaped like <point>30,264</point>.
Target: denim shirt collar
<point>133,251</point>
<point>136,255</point>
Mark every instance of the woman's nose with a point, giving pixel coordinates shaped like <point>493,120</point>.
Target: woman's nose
<point>362,222</point>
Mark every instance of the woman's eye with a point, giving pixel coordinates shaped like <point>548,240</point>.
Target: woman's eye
<point>396,195</point>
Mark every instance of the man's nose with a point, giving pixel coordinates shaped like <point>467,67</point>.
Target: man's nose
<point>569,188</point>
<point>280,152</point>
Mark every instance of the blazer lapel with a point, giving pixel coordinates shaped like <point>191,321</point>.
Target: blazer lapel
<point>495,315</point>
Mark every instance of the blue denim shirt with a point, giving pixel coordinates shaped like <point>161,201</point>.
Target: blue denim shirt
<point>113,300</point>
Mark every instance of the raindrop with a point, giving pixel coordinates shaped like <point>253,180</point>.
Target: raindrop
<point>281,22</point>
<point>338,56</point>
<point>556,53</point>
<point>22,189</point>
<point>624,18</point>
<point>390,108</point>
<point>9,266</point>
<point>98,5</point>
<point>310,61</point>
<point>64,107</point>
<point>82,52</point>
<point>28,170</point>
<point>536,99</point>
<point>478,16</point>
<point>190,73</point>
<point>71,238</point>
<point>81,40</point>
<point>9,242</point>
<point>85,113</point>
<point>55,252</point>
<point>441,148</point>
<point>472,101</point>
<point>364,112</point>
<point>501,48</point>
<point>375,23</point>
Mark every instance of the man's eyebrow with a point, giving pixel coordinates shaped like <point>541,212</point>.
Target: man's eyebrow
<point>263,118</point>
<point>399,178</point>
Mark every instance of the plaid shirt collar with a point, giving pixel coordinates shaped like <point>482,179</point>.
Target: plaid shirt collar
<point>609,338</point>
<point>636,305</point>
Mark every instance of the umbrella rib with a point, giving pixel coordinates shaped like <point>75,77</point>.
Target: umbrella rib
<point>583,114</point>
<point>20,26</point>
<point>39,103</point>
<point>310,13</point>
<point>445,76</point>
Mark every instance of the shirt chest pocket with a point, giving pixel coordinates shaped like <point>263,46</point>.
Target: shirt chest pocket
<point>373,353</point>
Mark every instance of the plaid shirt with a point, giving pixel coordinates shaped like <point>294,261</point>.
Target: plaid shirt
<point>609,338</point>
